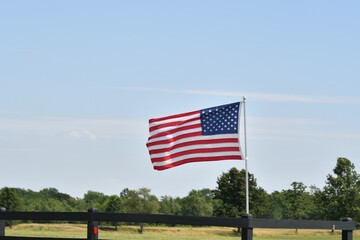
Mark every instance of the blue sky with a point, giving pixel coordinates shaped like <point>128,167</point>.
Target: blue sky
<point>80,79</point>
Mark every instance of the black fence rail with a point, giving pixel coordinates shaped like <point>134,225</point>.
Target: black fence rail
<point>247,223</point>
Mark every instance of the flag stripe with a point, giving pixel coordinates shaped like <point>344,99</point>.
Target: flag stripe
<point>165,127</point>
<point>183,150</point>
<point>175,131</point>
<point>187,143</point>
<point>181,115</point>
<point>187,153</point>
<point>165,141</point>
<point>169,164</point>
<point>212,156</point>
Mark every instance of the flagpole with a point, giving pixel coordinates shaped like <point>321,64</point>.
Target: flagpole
<point>246,159</point>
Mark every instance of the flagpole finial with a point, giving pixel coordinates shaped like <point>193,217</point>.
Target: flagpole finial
<point>244,99</point>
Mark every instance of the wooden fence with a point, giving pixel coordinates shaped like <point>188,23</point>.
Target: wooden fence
<point>247,223</point>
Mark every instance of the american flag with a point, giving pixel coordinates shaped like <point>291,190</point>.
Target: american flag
<point>210,134</point>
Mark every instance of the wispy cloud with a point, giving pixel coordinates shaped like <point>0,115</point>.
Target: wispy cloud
<point>82,134</point>
<point>255,96</point>
<point>71,128</point>
<point>297,128</point>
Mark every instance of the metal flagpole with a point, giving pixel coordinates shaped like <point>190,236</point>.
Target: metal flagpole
<point>246,159</point>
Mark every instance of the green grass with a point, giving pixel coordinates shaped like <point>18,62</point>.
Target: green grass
<point>169,233</point>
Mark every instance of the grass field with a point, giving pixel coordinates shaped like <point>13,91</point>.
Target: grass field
<point>169,233</point>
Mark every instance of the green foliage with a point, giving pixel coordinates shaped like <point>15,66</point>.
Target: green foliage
<point>96,200</point>
<point>55,194</point>
<point>170,205</point>
<point>139,201</point>
<point>231,191</point>
<point>47,200</point>
<point>341,195</point>
<point>278,204</point>
<point>113,204</point>
<point>301,203</point>
<point>293,203</point>
<point>9,199</point>
<point>197,203</point>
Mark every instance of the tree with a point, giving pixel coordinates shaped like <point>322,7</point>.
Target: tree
<point>53,200</point>
<point>54,193</point>
<point>198,203</point>
<point>139,201</point>
<point>170,205</point>
<point>341,194</point>
<point>149,202</point>
<point>231,190</point>
<point>113,205</point>
<point>293,203</point>
<point>95,199</point>
<point>278,205</point>
<point>9,199</point>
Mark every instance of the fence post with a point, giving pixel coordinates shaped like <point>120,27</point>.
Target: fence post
<point>347,234</point>
<point>2,223</point>
<point>92,226</point>
<point>247,231</point>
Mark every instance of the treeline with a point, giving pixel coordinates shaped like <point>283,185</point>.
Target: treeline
<point>340,197</point>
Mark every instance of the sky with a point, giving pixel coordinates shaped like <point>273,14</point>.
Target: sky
<point>79,81</point>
